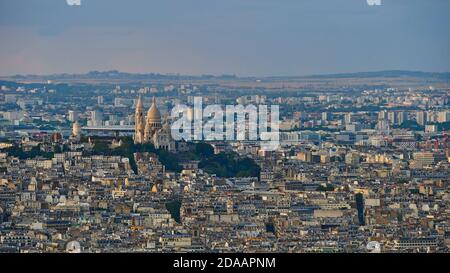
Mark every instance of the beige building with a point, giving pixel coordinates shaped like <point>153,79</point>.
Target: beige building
<point>152,131</point>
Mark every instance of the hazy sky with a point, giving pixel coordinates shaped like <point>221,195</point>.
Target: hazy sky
<point>243,37</point>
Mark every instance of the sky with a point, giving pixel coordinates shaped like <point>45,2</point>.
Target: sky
<point>242,37</point>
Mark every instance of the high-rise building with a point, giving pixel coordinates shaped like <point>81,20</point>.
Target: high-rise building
<point>348,118</point>
<point>402,117</point>
<point>392,117</point>
<point>100,100</point>
<point>326,116</point>
<point>443,116</point>
<point>421,117</point>
<point>73,116</point>
<point>382,115</point>
<point>96,118</point>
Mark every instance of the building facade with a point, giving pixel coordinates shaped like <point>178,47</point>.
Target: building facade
<point>152,131</point>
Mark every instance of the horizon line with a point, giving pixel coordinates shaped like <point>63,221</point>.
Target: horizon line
<point>221,75</point>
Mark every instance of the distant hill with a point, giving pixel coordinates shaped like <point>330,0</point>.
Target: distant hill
<point>387,74</point>
<point>117,75</point>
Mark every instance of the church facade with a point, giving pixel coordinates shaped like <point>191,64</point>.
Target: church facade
<point>150,129</point>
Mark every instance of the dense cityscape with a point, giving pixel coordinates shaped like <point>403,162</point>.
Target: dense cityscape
<point>88,164</point>
<point>224,136</point>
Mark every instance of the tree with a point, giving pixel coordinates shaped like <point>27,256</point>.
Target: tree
<point>230,165</point>
<point>411,125</point>
<point>101,148</point>
<point>204,149</point>
<point>34,152</point>
<point>174,208</point>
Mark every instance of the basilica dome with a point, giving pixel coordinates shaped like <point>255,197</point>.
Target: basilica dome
<point>153,114</point>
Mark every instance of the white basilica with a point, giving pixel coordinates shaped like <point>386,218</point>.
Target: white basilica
<point>152,130</point>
